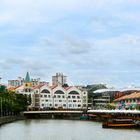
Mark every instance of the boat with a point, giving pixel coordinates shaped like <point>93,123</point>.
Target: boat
<point>120,123</point>
<point>84,117</point>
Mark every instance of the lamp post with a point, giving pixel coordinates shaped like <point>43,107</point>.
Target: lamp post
<point>0,107</point>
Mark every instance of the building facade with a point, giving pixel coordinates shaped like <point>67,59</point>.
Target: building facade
<point>46,97</point>
<point>43,97</point>
<point>59,79</point>
<point>131,101</point>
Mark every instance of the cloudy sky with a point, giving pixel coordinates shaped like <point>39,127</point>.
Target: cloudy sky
<point>90,41</point>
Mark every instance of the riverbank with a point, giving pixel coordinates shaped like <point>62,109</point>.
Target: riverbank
<point>9,119</point>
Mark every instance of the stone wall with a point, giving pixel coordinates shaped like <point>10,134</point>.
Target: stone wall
<point>8,119</point>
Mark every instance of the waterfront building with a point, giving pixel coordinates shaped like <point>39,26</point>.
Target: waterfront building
<point>59,79</point>
<point>43,96</point>
<point>59,97</point>
<point>131,101</point>
<point>103,97</point>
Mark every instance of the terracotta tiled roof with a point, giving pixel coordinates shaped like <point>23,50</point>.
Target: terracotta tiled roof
<point>67,88</point>
<point>38,86</point>
<point>13,88</point>
<point>54,86</point>
<point>130,96</point>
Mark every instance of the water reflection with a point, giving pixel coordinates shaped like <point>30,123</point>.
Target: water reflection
<point>63,130</point>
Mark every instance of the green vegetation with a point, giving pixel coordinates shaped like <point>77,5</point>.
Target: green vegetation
<point>12,103</point>
<point>110,106</point>
<point>2,88</point>
<point>138,107</point>
<point>92,88</point>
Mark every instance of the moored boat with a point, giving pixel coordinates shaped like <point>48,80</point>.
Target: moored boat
<point>84,117</point>
<point>120,123</point>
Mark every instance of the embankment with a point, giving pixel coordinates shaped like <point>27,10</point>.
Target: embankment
<point>9,119</point>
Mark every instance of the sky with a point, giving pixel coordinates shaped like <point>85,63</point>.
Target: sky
<point>90,41</point>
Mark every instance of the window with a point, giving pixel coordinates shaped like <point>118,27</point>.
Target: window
<point>78,97</point>
<point>74,100</point>
<point>59,92</point>
<point>42,104</point>
<point>49,96</point>
<point>59,96</point>
<point>84,105</point>
<point>68,96</point>
<point>79,105</point>
<point>56,104</point>
<point>36,100</point>
<point>73,92</point>
<point>46,100</point>
<point>50,104</point>
<point>45,95</point>
<point>64,105</point>
<point>73,97</point>
<point>45,91</point>
<point>60,100</point>
<point>26,90</point>
<point>70,105</point>
<point>63,96</point>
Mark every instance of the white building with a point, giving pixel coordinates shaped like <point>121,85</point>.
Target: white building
<point>59,97</point>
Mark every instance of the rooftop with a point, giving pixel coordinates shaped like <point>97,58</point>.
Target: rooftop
<point>130,96</point>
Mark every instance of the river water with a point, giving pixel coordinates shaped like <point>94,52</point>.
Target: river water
<point>63,130</point>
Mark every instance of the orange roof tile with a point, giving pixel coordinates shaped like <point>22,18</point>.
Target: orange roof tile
<point>54,86</point>
<point>67,88</point>
<point>130,96</point>
<point>38,86</point>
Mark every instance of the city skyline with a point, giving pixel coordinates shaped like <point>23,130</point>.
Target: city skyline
<point>90,42</point>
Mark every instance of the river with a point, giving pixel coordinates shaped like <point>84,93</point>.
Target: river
<point>63,130</point>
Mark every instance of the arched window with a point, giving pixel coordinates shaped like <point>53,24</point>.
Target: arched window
<point>74,92</point>
<point>45,91</point>
<point>59,92</point>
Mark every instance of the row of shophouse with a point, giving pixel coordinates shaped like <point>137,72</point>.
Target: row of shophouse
<point>131,101</point>
<point>117,98</point>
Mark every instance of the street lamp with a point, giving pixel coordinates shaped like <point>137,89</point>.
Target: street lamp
<point>0,107</point>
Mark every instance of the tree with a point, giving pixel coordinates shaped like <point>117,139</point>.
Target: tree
<point>12,102</point>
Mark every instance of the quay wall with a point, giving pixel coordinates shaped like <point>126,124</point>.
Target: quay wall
<point>9,119</point>
<point>71,116</point>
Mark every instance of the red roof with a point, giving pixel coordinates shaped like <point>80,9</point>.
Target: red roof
<point>39,86</point>
<point>134,95</point>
